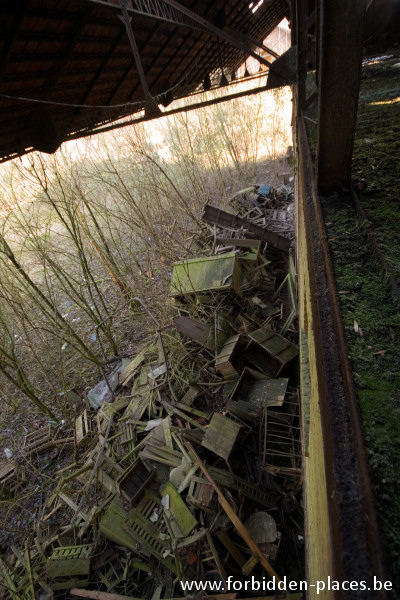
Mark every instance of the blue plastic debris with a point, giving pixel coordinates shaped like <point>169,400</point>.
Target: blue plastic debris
<point>264,190</point>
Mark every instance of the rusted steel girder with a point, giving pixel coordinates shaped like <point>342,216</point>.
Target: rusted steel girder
<point>340,56</point>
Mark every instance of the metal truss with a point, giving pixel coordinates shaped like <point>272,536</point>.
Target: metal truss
<point>171,11</point>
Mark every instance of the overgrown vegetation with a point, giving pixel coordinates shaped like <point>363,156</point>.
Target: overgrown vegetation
<point>376,359</point>
<point>377,147</point>
<point>87,230</point>
<point>372,327</point>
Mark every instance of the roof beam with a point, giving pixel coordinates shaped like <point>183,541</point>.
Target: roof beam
<point>187,108</point>
<point>139,4</point>
<point>160,55</point>
<point>151,105</point>
<point>156,10</point>
<point>236,17</point>
<point>233,39</point>
<point>340,58</point>
<point>188,64</point>
<point>148,41</point>
<point>175,13</point>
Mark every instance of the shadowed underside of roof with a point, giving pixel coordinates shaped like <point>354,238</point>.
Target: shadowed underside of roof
<point>76,59</point>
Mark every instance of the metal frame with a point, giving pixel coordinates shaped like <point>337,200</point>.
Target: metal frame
<point>171,11</point>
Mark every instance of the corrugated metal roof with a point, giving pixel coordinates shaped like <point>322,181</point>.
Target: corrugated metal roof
<point>75,58</point>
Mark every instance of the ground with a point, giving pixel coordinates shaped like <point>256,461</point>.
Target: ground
<point>370,309</point>
<point>372,328</point>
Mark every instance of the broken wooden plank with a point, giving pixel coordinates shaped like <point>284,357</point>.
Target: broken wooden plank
<point>139,403</point>
<point>129,371</point>
<point>250,565</point>
<point>213,555</point>
<point>190,395</point>
<point>83,515</point>
<point>237,523</point>
<point>221,435</point>
<point>173,409</point>
<point>9,581</point>
<point>232,548</point>
<point>239,243</point>
<point>31,586</point>
<point>182,515</point>
<point>160,455</point>
<point>157,371</point>
<point>198,331</point>
<point>222,328</point>
<point>33,573</point>
<point>64,585</point>
<point>229,361</point>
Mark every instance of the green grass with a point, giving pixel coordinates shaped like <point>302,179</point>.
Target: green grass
<point>366,298</point>
<point>364,291</point>
<point>376,156</point>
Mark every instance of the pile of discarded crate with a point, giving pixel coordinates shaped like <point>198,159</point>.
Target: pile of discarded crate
<point>191,471</point>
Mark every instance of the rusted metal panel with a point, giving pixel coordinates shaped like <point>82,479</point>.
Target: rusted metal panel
<point>206,274</point>
<point>216,216</point>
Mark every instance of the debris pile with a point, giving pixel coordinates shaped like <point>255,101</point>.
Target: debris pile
<point>192,470</point>
<point>267,207</point>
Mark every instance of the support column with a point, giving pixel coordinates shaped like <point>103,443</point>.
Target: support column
<point>301,16</point>
<point>340,56</point>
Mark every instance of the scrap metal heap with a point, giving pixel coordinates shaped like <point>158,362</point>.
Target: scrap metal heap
<point>189,468</point>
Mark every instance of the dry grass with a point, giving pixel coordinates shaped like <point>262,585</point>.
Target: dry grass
<point>98,223</point>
